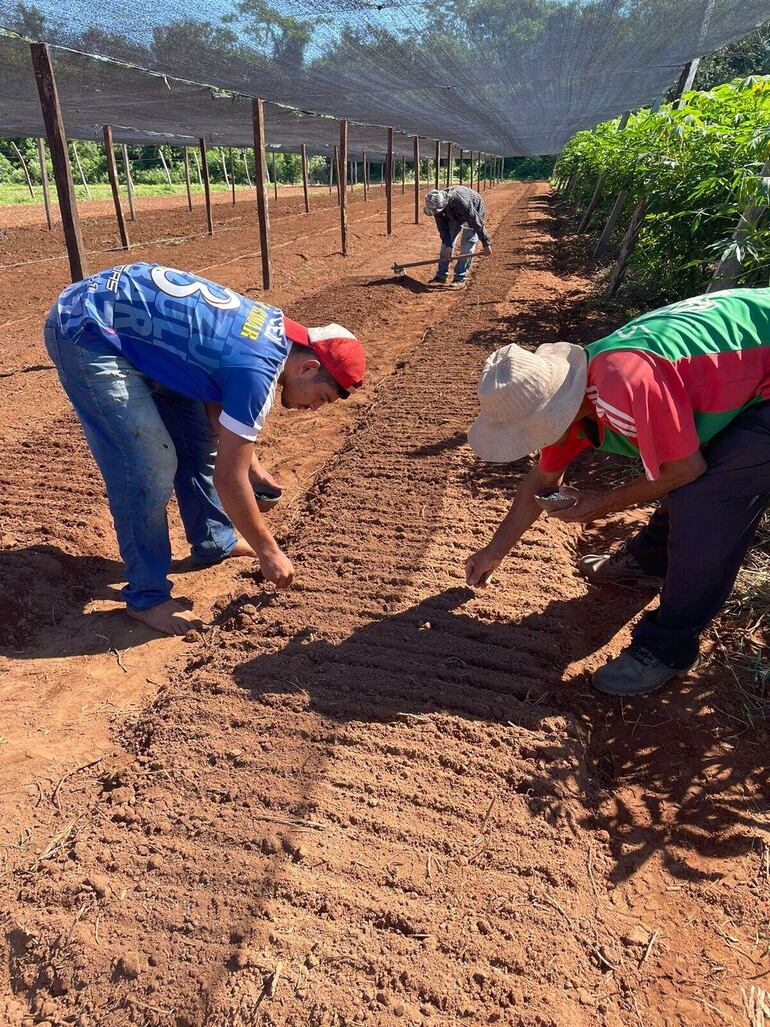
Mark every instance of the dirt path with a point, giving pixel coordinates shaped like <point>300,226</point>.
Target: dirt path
<point>382,798</point>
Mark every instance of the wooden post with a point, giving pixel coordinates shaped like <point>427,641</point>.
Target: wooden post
<point>112,174</point>
<point>80,169</point>
<point>617,209</point>
<point>165,166</point>
<point>627,247</point>
<point>365,176</point>
<point>198,168</point>
<point>275,175</point>
<point>44,182</point>
<point>129,182</point>
<point>389,185</point>
<point>246,169</point>
<point>592,205</point>
<point>729,268</point>
<point>461,168</point>
<point>337,176</point>
<point>232,174</point>
<point>62,171</point>
<point>685,81</point>
<point>343,193</point>
<point>416,144</point>
<point>470,173</point>
<point>331,175</point>
<point>186,155</point>
<point>448,176</point>
<point>224,166</point>
<point>24,168</point>
<point>305,187</point>
<point>260,168</point>
<point>206,186</point>
<point>438,164</point>
<point>403,175</point>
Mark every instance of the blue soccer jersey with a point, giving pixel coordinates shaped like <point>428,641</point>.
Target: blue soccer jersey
<point>186,333</point>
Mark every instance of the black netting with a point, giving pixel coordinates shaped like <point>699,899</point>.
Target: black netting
<point>505,76</point>
<point>149,108</point>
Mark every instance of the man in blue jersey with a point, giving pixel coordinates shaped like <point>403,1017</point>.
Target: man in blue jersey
<point>171,377</point>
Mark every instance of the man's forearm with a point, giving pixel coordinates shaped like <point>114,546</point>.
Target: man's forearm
<point>238,502</point>
<point>523,513</point>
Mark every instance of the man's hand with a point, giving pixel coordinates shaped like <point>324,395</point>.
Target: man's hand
<point>588,507</point>
<point>487,250</point>
<point>276,567</point>
<point>259,475</point>
<point>480,567</point>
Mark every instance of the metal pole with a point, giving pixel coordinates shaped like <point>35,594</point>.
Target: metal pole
<point>44,181</point>
<point>232,174</point>
<point>129,182</point>
<point>80,169</point>
<point>389,185</point>
<point>343,192</point>
<point>461,169</point>
<point>165,166</point>
<point>275,175</point>
<point>365,176</point>
<point>304,179</point>
<point>260,167</point>
<point>448,177</point>
<point>416,144</point>
<point>186,156</point>
<point>62,171</point>
<point>246,169</point>
<point>438,163</point>
<point>112,174</point>
<point>24,168</point>
<point>206,186</point>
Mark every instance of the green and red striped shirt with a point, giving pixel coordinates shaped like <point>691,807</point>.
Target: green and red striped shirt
<point>668,381</point>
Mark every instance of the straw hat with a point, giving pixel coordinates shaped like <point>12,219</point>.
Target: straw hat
<point>528,400</point>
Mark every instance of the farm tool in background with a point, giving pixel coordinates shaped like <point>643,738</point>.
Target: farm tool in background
<point>399,269</point>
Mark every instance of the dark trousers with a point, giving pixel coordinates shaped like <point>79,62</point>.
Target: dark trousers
<point>699,537</point>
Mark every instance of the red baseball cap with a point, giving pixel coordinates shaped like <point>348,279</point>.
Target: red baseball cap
<point>338,351</point>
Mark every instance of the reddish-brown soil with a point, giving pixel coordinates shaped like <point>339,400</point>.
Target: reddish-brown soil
<point>380,797</point>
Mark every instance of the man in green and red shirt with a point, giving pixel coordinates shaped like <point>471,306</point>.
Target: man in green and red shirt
<point>686,390</point>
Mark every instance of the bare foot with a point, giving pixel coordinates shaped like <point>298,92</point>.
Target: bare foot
<point>169,618</point>
<point>241,548</point>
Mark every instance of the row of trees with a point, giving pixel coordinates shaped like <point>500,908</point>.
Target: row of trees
<point>685,173</point>
<point>150,168</point>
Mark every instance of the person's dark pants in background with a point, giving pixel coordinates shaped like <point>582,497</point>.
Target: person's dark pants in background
<point>699,537</point>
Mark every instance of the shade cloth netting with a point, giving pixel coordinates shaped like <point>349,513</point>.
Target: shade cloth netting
<point>504,76</point>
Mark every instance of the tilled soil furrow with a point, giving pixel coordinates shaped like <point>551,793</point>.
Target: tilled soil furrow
<point>373,833</point>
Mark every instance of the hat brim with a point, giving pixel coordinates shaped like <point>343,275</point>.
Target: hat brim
<point>498,443</point>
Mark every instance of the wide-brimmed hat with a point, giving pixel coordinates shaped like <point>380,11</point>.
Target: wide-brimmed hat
<point>436,200</point>
<point>528,400</point>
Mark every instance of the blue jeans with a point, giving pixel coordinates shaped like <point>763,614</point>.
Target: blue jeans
<point>468,239</point>
<point>147,442</point>
<point>699,536</point>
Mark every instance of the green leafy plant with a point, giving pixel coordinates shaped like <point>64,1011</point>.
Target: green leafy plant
<point>699,162</point>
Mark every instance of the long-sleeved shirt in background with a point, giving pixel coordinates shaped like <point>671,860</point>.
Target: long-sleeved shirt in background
<point>465,207</point>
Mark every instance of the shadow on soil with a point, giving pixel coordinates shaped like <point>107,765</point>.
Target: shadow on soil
<point>661,752</point>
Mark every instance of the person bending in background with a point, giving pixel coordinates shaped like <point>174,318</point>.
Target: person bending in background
<point>686,389</point>
<point>171,377</point>
<point>458,211</point>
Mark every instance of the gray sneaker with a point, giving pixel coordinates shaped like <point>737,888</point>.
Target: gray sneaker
<point>636,671</point>
<point>619,568</point>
